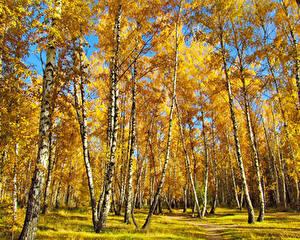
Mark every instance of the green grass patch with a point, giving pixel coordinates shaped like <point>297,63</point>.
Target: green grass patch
<point>227,223</point>
<point>276,225</point>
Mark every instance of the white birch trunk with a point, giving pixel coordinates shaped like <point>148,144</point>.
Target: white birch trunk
<point>187,160</point>
<point>105,206</point>
<point>36,191</point>
<point>203,211</point>
<point>128,208</point>
<point>164,169</point>
<point>235,131</point>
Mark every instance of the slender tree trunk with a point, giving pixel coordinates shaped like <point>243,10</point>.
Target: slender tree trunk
<point>150,185</point>
<point>27,182</point>
<point>113,207</point>
<point>235,133</point>
<point>2,164</point>
<point>168,204</point>
<point>82,120</point>
<point>281,167</point>
<point>49,176</point>
<point>57,201</point>
<point>297,74</point>
<point>152,175</point>
<point>68,196</point>
<point>194,161</point>
<point>240,54</point>
<point>206,168</point>
<point>273,167</point>
<point>123,164</point>
<point>14,193</point>
<point>69,187</point>
<point>163,173</point>
<point>187,160</point>
<point>255,153</point>
<point>242,198</point>
<point>233,180</point>
<point>140,171</point>
<point>2,31</point>
<point>215,171</point>
<point>295,53</point>
<point>129,201</point>
<point>38,180</point>
<point>105,206</point>
<point>185,192</point>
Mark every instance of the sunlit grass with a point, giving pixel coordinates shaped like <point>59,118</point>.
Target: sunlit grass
<point>229,223</point>
<point>276,225</point>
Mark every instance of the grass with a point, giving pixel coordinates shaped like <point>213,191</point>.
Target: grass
<point>276,225</point>
<point>228,223</point>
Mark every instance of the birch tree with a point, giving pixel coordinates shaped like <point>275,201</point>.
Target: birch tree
<point>37,184</point>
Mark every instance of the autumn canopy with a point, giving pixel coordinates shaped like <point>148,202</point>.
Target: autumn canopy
<point>117,105</point>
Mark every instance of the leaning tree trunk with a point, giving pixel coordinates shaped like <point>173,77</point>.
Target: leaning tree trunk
<point>240,55</point>
<point>256,163</point>
<point>82,120</point>
<point>253,147</point>
<point>187,160</point>
<point>37,184</point>
<point>235,133</point>
<point>194,161</point>
<point>233,181</point>
<point>163,173</point>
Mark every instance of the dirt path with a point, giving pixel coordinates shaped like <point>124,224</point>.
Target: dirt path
<point>212,231</point>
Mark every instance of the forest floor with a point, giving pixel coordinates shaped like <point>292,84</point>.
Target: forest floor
<point>225,224</point>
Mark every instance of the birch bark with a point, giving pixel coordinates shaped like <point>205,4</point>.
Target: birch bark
<point>36,191</point>
<point>235,130</point>
<point>187,160</point>
<point>82,120</point>
<point>129,204</point>
<point>203,212</point>
<point>164,169</point>
<point>105,205</point>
